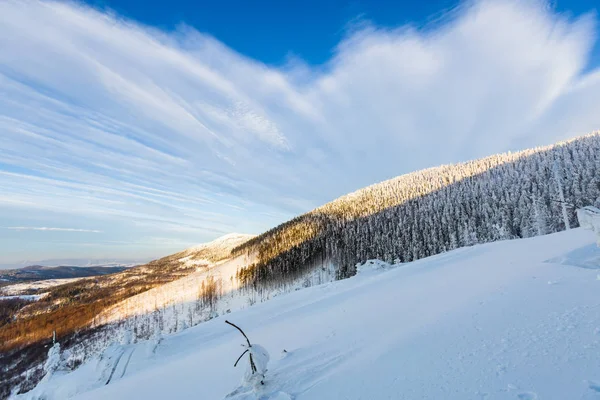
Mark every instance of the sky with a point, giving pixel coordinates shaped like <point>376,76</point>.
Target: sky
<point>133,129</point>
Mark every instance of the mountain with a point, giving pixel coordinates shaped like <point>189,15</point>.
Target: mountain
<point>505,196</point>
<point>87,297</point>
<point>494,321</point>
<point>414,216</point>
<point>77,262</point>
<point>69,309</point>
<point>212,252</point>
<point>38,273</point>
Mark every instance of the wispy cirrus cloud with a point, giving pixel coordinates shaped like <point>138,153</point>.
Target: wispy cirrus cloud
<point>44,228</point>
<point>140,132</point>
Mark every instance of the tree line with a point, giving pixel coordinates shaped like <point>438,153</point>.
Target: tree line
<point>505,196</point>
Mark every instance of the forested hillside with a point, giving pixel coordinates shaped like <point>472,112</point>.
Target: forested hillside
<point>505,196</point>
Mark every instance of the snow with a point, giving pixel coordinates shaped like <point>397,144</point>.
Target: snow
<point>218,249</point>
<point>29,297</point>
<point>188,261</point>
<point>253,382</point>
<point>589,218</point>
<point>260,357</point>
<point>53,361</point>
<point>226,242</point>
<point>20,288</point>
<point>372,265</point>
<point>179,298</point>
<point>476,323</point>
<point>583,257</point>
<point>182,292</point>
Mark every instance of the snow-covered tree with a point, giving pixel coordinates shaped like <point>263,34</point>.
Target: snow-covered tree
<point>53,361</point>
<point>419,214</point>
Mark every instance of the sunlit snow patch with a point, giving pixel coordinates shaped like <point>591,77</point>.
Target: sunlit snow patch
<point>27,297</point>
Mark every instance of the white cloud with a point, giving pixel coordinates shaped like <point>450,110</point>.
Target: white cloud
<point>177,133</point>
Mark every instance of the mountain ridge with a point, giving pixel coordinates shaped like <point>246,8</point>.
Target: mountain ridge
<point>34,273</point>
<point>365,224</point>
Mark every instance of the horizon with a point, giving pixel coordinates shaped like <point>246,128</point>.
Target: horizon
<point>51,263</point>
<point>188,130</point>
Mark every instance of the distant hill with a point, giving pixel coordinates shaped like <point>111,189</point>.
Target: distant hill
<point>39,272</point>
<point>82,300</point>
<point>78,262</point>
<point>69,308</point>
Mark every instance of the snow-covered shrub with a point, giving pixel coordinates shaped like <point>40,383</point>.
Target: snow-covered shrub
<point>589,218</point>
<point>255,375</point>
<point>258,358</point>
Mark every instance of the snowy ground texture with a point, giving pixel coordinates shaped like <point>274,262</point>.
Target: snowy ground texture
<point>494,321</point>
<point>18,289</point>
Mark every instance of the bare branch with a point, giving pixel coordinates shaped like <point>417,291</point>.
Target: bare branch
<point>252,365</point>
<point>240,357</point>
<point>239,329</point>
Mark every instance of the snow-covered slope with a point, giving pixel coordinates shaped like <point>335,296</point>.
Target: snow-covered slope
<point>493,321</point>
<point>39,286</point>
<point>180,302</point>
<point>224,243</point>
<point>212,261</point>
<point>217,250</point>
<point>179,295</point>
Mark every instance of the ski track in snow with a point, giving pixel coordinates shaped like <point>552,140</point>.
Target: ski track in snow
<point>475,323</point>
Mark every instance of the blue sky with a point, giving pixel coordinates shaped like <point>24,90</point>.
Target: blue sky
<point>134,129</point>
<point>307,31</point>
<point>273,31</point>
